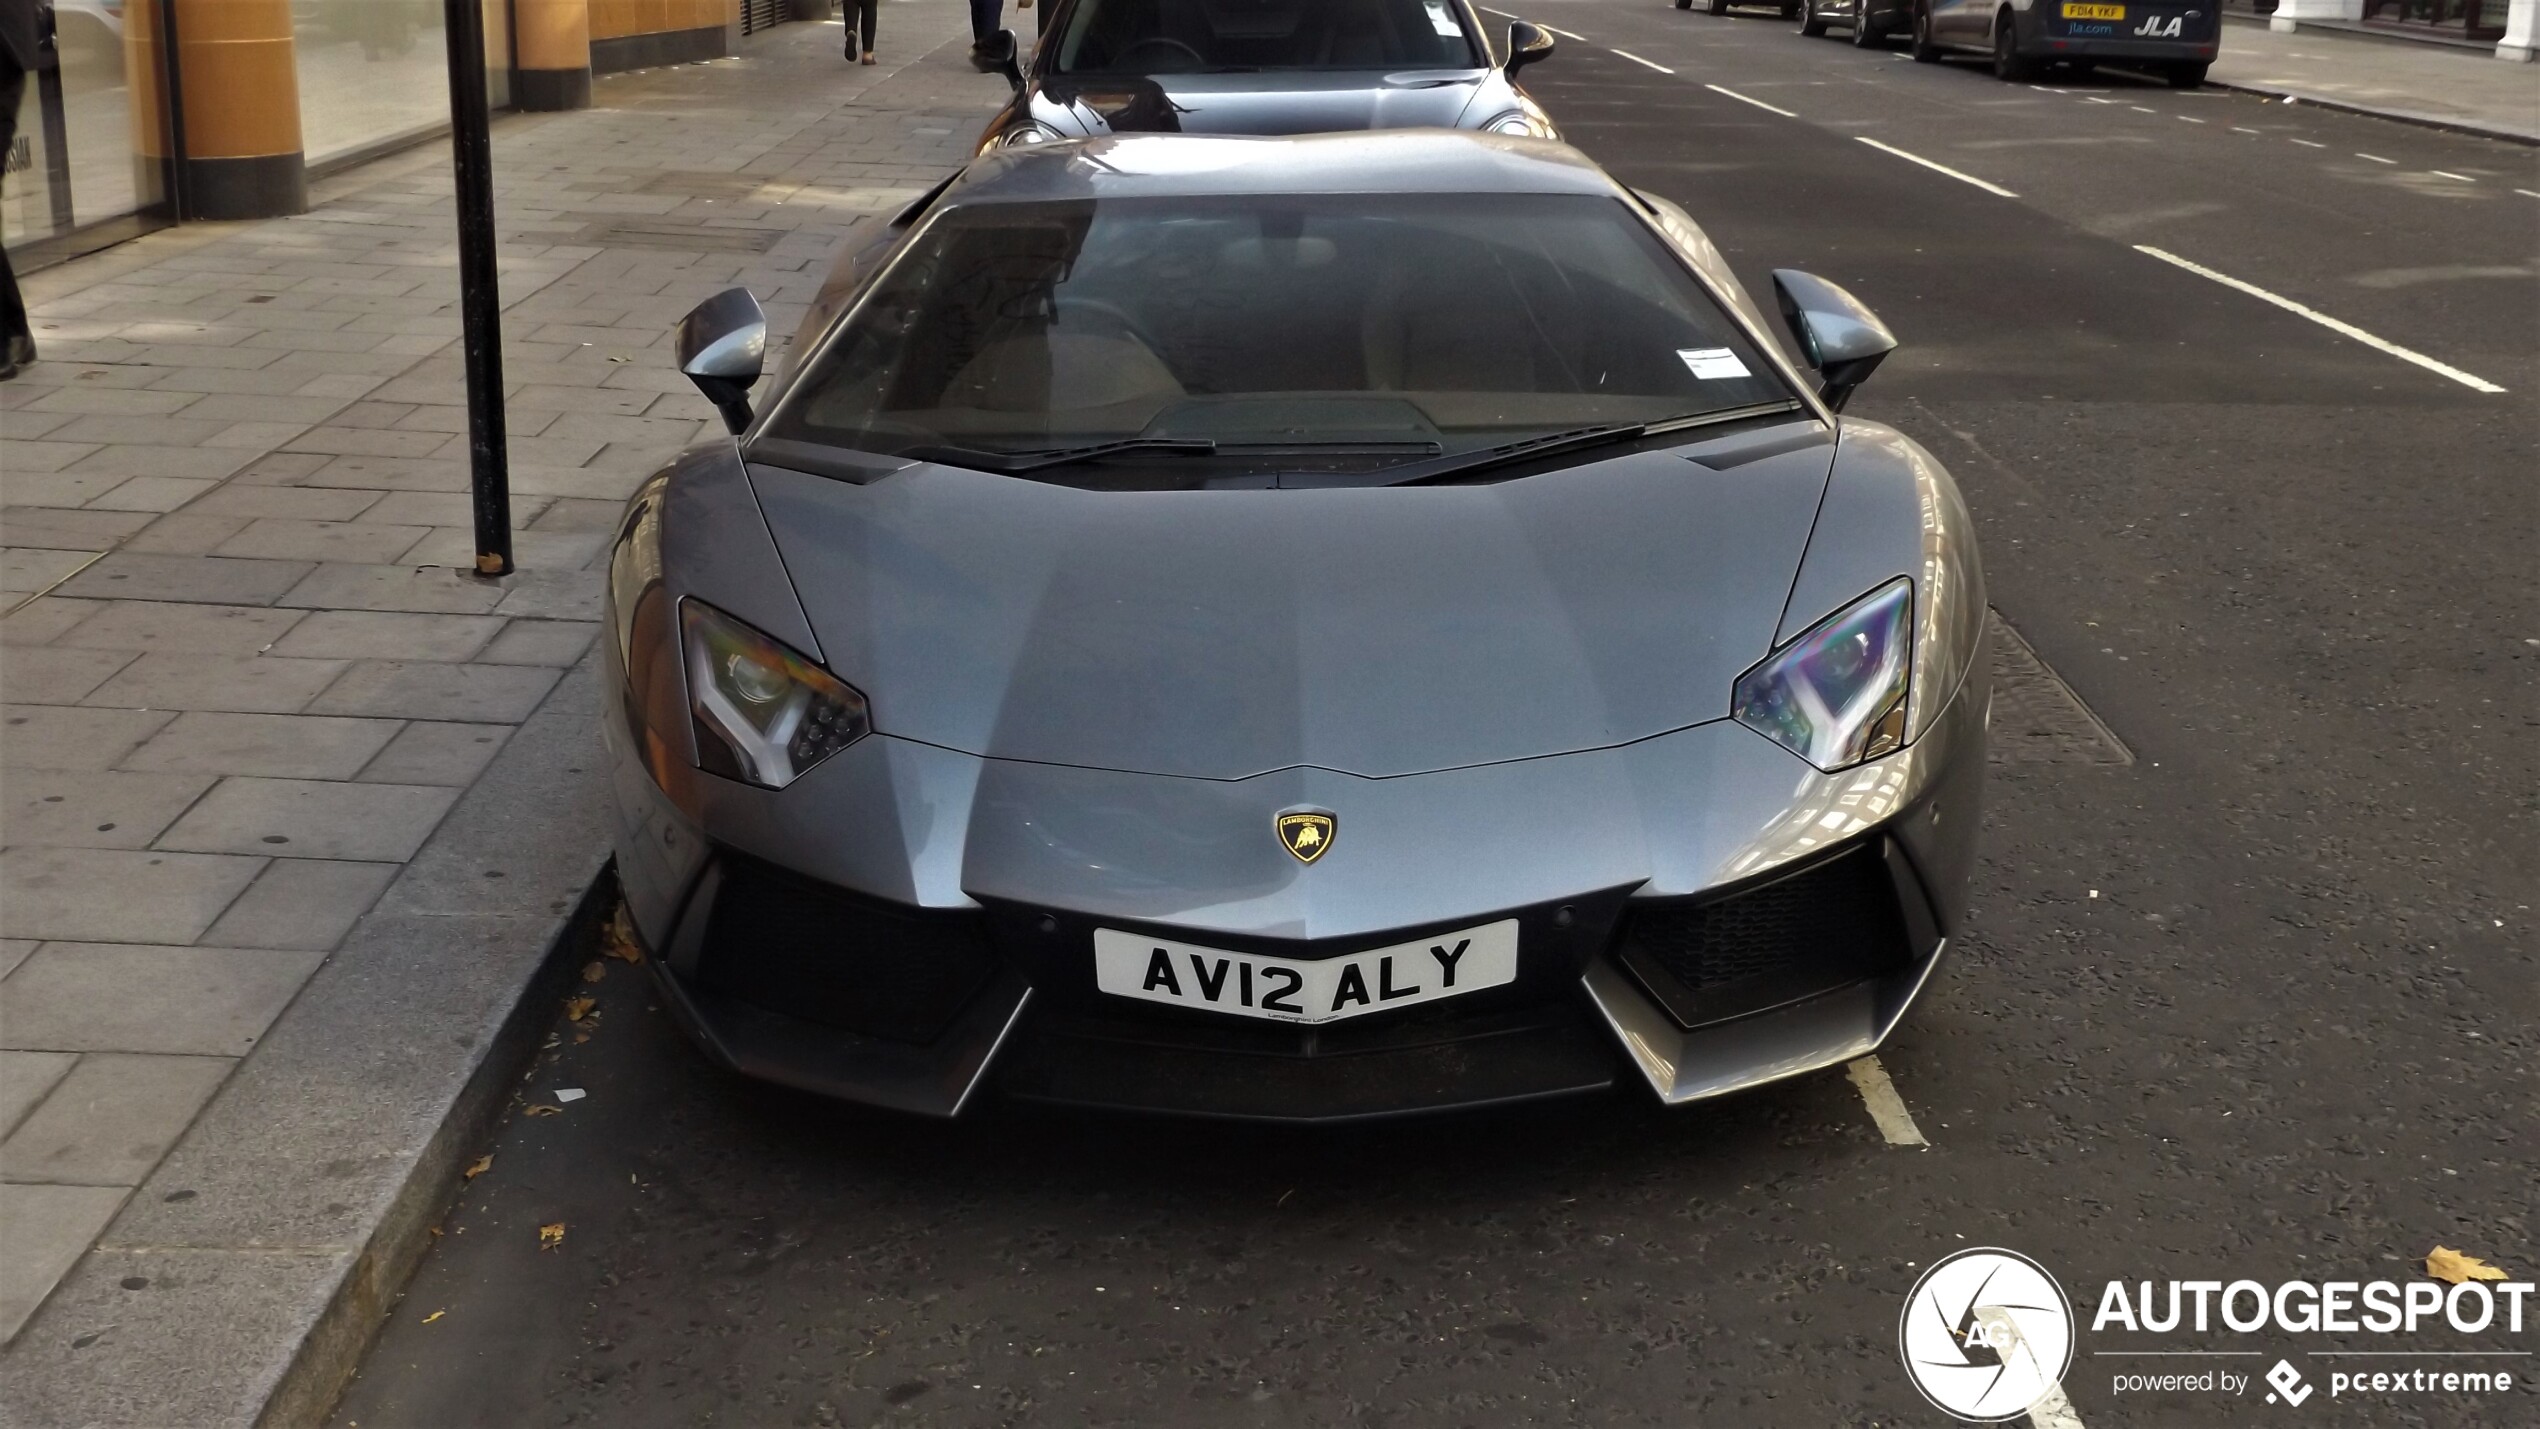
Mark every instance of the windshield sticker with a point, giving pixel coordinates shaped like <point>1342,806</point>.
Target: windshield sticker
<point>1711,363</point>
<point>1442,20</point>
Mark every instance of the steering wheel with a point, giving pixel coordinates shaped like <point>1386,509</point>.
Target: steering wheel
<point>1159,42</point>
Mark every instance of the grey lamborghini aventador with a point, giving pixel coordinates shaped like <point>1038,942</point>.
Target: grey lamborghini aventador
<point>1295,629</point>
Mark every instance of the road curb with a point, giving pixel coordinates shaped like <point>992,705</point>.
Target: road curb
<point>2396,116</point>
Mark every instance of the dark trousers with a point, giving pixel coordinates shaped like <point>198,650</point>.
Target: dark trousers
<point>863,13</point>
<point>17,340</point>
<point>984,15</point>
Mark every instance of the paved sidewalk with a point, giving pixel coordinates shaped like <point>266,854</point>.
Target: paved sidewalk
<point>2440,85</point>
<point>293,806</point>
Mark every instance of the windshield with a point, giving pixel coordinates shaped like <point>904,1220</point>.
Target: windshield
<point>1216,335</point>
<point>1191,36</point>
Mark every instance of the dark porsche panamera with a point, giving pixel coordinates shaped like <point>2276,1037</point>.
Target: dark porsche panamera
<point>1264,67</point>
<point>1293,629</point>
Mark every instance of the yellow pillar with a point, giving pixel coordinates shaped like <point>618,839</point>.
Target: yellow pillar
<point>555,54</point>
<point>238,92</point>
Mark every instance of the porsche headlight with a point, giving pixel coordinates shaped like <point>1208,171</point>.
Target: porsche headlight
<point>1519,122</point>
<point>1836,695</point>
<point>1025,134</point>
<point>764,714</point>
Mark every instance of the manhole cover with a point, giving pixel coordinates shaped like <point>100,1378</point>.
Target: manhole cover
<point>2037,719</point>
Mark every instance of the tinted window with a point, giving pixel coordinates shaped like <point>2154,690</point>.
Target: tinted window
<point>1365,328</point>
<point>1192,36</point>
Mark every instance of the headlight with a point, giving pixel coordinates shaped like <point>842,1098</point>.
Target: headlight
<point>764,714</point>
<point>1836,695</point>
<point>1520,122</point>
<point>1027,133</point>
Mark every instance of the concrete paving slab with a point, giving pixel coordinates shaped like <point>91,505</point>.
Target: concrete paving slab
<point>290,538</point>
<point>542,642</point>
<point>123,997</point>
<point>391,635</point>
<point>182,627</point>
<point>25,1079</point>
<point>129,575</point>
<point>111,1119</point>
<point>62,737</point>
<point>309,818</point>
<point>301,903</point>
<point>43,620</point>
<point>408,689</point>
<point>50,1227</point>
<point>159,897</point>
<point>431,752</point>
<point>44,675</point>
<point>354,586</point>
<point>92,809</point>
<point>281,746</point>
<point>256,684</point>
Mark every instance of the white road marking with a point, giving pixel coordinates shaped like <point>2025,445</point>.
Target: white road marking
<point>2092,98</point>
<point>2183,119</point>
<point>2236,129</point>
<point>2139,109</point>
<point>2526,193</point>
<point>1653,64</point>
<point>2448,174</point>
<point>1936,168</point>
<point>1886,1107</point>
<point>2343,329</point>
<point>2307,144</point>
<point>2376,158</point>
<point>1582,39</point>
<point>1745,99</point>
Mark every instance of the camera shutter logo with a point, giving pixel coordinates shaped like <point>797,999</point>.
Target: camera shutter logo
<point>1986,1333</point>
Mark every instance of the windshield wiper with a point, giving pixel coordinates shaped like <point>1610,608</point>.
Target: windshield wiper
<point>1012,462</point>
<point>1555,443</point>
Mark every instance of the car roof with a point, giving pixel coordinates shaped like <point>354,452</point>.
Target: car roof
<point>1379,161</point>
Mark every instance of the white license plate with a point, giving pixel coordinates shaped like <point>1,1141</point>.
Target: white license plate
<point>1289,990</point>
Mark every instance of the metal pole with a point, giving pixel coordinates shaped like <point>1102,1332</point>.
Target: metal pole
<point>480,292</point>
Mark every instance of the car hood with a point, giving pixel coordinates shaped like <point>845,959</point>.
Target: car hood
<point>1223,634</point>
<point>1262,103</point>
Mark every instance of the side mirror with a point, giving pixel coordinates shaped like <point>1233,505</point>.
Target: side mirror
<point>1526,44</point>
<point>1836,332</point>
<point>1000,53</point>
<point>722,346</point>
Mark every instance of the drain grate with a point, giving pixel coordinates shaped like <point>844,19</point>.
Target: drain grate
<point>618,232</point>
<point>2037,719</point>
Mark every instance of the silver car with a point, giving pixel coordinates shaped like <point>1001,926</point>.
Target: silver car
<point>1264,67</point>
<point>1293,629</point>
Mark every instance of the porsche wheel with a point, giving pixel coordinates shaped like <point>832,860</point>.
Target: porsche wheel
<point>1925,52</point>
<point>1865,35</point>
<point>1809,24</point>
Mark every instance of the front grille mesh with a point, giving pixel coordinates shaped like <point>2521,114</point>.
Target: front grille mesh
<point>1832,923</point>
<point>793,946</point>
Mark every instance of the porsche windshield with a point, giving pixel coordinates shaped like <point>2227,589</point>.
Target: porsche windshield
<point>1101,342</point>
<point>1141,37</point>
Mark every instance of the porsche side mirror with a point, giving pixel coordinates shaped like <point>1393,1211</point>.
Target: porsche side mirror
<point>1526,44</point>
<point>1836,332</point>
<point>1000,53</point>
<point>722,346</point>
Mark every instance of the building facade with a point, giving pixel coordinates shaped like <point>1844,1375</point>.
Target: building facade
<point>159,110</point>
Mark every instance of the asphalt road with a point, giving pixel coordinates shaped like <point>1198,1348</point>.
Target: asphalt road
<point>2259,1005</point>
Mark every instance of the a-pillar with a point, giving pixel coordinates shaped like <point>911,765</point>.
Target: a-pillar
<point>2522,32</point>
<point>2289,13</point>
<point>239,97</point>
<point>554,63</point>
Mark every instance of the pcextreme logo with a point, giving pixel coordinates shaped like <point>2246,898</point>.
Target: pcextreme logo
<point>1986,1334</point>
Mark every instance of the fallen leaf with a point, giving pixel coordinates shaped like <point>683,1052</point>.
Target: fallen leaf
<point>620,943</point>
<point>594,970</point>
<point>2452,1267</point>
<point>549,1237</point>
<point>435,1315</point>
<point>540,1109</point>
<point>479,1166</point>
<point>577,1008</point>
